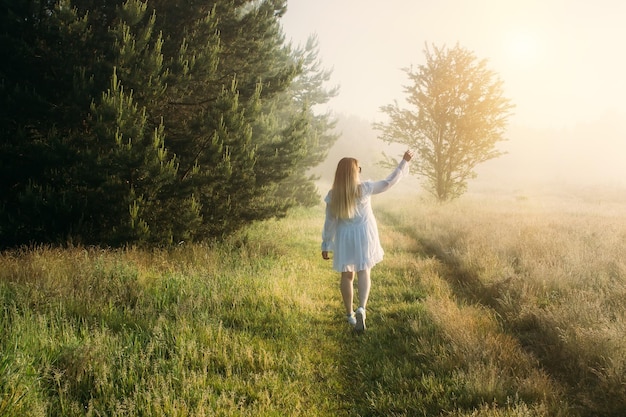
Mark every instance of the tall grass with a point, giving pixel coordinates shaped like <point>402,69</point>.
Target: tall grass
<point>506,309</point>
<point>196,330</point>
<point>550,272</point>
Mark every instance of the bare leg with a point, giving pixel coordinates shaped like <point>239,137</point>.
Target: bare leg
<point>347,290</point>
<point>364,283</point>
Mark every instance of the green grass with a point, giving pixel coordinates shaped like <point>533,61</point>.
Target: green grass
<point>502,310</point>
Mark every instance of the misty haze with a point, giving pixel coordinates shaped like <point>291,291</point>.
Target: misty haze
<point>164,249</point>
<point>558,62</point>
<point>583,159</point>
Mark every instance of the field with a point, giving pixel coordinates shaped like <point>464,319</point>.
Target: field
<point>488,306</point>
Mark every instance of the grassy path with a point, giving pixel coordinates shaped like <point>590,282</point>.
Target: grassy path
<point>253,328</point>
<point>426,351</point>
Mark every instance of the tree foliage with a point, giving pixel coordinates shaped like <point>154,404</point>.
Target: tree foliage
<point>130,121</point>
<point>454,116</point>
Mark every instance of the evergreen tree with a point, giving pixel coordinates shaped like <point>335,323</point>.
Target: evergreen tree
<point>45,96</point>
<point>149,121</point>
<point>306,93</point>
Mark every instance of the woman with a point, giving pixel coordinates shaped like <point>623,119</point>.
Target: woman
<point>351,232</point>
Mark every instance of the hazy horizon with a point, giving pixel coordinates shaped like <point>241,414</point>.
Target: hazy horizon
<point>536,160</point>
<point>558,60</point>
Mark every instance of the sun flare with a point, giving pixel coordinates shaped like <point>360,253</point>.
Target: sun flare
<point>523,48</point>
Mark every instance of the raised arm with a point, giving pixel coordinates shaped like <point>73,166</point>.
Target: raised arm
<point>401,170</point>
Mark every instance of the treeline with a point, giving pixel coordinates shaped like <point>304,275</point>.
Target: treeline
<point>152,122</point>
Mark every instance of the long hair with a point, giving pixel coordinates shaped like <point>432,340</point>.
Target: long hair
<point>346,190</point>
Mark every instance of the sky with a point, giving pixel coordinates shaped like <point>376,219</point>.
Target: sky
<point>562,62</point>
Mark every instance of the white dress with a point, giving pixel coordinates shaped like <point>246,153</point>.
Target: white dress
<point>354,242</point>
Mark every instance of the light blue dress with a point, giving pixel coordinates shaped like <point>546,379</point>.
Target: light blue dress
<point>354,242</point>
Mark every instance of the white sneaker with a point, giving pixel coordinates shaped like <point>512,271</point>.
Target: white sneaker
<point>351,319</point>
<point>360,320</point>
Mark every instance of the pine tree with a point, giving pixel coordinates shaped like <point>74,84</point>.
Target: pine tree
<point>45,95</point>
<point>305,93</point>
<point>149,121</point>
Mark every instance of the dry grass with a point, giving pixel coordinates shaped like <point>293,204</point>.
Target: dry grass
<point>548,273</point>
<point>490,307</point>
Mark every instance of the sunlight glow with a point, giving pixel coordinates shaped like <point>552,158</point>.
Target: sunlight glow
<point>523,48</point>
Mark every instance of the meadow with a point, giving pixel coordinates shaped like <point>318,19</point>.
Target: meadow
<point>507,306</point>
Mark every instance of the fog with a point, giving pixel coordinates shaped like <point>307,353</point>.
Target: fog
<point>560,62</point>
<point>583,155</point>
<point>586,158</point>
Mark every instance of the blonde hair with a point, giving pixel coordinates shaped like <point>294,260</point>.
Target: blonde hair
<point>346,190</point>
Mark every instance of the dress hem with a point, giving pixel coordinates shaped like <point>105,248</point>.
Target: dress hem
<point>360,267</point>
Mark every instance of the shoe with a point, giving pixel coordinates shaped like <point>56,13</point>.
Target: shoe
<point>360,320</point>
<point>351,319</point>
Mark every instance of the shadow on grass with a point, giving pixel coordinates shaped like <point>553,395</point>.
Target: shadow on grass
<point>537,335</point>
<point>383,370</point>
<point>392,369</point>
